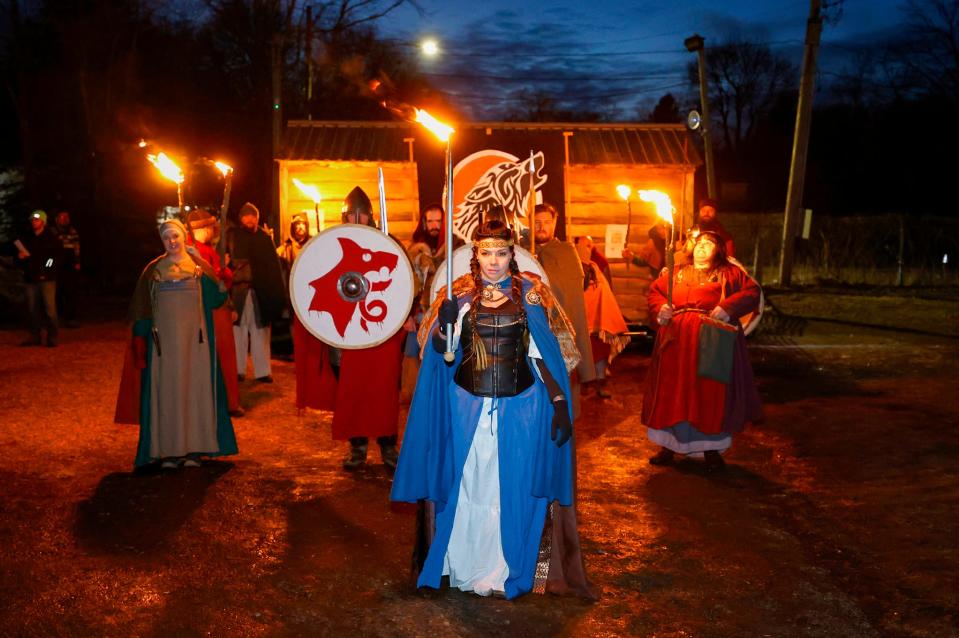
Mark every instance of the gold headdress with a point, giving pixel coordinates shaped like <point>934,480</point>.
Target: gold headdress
<point>492,243</point>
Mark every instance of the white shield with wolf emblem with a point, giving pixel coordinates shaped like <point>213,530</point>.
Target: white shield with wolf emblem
<point>461,265</point>
<point>352,286</point>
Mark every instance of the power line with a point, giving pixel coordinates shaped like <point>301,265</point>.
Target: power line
<point>591,96</point>
<point>605,54</point>
<point>533,77</point>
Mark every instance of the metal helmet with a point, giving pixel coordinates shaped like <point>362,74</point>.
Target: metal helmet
<point>357,202</point>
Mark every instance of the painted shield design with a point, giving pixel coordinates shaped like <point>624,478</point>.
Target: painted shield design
<point>461,266</point>
<point>352,286</point>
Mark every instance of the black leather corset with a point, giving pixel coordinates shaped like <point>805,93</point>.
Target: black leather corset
<point>501,331</point>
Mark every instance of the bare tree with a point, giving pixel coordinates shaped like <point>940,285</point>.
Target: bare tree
<point>927,57</point>
<point>745,79</point>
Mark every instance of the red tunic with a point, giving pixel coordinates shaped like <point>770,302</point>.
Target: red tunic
<point>223,328</point>
<point>368,391</point>
<point>674,390</point>
<point>315,383</point>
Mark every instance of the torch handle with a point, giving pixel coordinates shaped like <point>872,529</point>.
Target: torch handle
<point>224,207</point>
<point>670,265</point>
<point>449,356</point>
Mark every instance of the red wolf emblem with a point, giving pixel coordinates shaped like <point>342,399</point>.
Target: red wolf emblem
<point>504,181</point>
<point>360,260</point>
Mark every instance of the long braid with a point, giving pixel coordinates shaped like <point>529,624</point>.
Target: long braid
<point>480,360</point>
<point>517,294</point>
<point>517,288</point>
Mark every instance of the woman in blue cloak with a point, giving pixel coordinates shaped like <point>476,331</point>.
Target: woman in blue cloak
<point>488,443</point>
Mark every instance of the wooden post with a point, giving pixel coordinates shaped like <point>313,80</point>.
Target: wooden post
<point>797,171</point>
<point>902,245</point>
<point>276,51</point>
<point>567,199</point>
<point>309,61</point>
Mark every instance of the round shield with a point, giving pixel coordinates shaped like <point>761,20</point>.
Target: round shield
<point>352,286</point>
<point>461,265</point>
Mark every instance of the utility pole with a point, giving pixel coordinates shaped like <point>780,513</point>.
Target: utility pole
<point>797,170</point>
<point>695,44</point>
<point>276,51</point>
<point>309,61</point>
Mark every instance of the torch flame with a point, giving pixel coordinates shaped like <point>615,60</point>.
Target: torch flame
<point>167,167</point>
<point>309,190</point>
<point>142,143</point>
<point>225,168</point>
<point>624,191</point>
<point>664,206</point>
<point>439,129</point>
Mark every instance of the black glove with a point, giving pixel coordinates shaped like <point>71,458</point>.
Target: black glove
<point>449,312</point>
<point>562,426</point>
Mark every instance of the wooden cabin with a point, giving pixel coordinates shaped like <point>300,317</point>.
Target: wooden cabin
<point>583,164</point>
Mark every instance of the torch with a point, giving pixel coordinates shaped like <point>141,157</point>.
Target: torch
<point>172,172</point>
<point>624,192</point>
<point>313,193</point>
<point>227,171</point>
<point>531,205</point>
<point>443,132</point>
<point>664,208</point>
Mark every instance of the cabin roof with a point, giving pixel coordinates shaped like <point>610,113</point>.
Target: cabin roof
<point>590,143</point>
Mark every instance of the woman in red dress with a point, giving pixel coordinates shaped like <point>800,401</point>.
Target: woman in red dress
<point>684,411</point>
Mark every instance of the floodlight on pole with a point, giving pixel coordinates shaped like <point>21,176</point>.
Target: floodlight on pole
<point>696,44</point>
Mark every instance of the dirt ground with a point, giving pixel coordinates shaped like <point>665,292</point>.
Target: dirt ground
<point>837,516</point>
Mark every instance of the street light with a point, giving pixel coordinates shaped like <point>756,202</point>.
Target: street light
<point>695,44</point>
<point>430,47</point>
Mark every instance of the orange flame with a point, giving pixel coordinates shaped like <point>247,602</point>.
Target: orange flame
<point>167,167</point>
<point>624,191</point>
<point>664,206</point>
<point>224,168</point>
<point>439,129</point>
<point>309,190</point>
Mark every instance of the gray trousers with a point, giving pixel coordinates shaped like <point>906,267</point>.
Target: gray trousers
<point>42,308</point>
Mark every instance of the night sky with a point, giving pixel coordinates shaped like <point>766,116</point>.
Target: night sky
<point>614,57</point>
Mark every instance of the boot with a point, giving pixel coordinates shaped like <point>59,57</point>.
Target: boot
<point>714,461</point>
<point>357,455</point>
<point>390,455</point>
<point>601,390</point>
<point>388,451</point>
<point>663,457</point>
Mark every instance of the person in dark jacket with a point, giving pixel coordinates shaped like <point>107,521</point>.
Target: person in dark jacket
<point>68,269</point>
<point>258,294</point>
<point>39,252</point>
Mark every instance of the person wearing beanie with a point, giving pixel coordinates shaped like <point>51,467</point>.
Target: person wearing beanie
<point>315,383</point>
<point>172,386</point>
<point>204,229</point>
<point>258,294</point>
<point>707,220</point>
<point>39,252</point>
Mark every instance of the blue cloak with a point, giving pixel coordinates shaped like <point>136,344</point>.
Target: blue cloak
<point>533,470</point>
